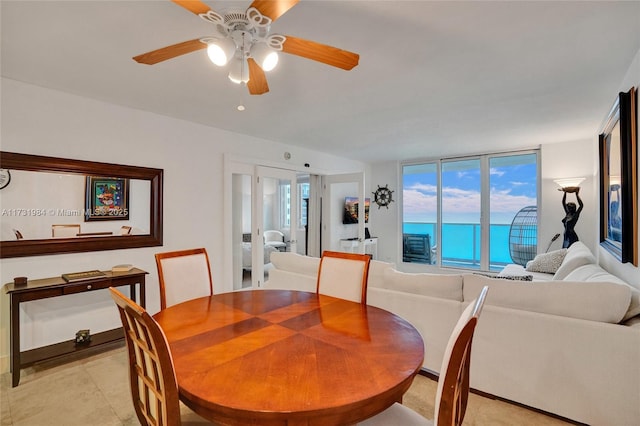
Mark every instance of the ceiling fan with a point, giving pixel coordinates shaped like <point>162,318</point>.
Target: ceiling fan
<point>243,40</point>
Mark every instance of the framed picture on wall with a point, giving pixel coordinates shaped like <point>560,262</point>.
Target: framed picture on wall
<point>106,198</point>
<point>619,180</point>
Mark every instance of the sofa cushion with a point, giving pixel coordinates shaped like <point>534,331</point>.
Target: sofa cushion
<point>594,301</point>
<point>547,262</point>
<point>595,273</point>
<point>297,263</point>
<point>434,285</point>
<point>577,255</point>
<point>376,273</point>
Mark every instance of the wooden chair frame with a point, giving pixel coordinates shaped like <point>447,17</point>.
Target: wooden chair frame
<point>153,384</point>
<point>455,386</point>
<point>178,253</point>
<point>365,258</point>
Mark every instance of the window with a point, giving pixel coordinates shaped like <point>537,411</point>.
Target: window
<point>458,212</point>
<point>303,198</point>
<point>285,204</point>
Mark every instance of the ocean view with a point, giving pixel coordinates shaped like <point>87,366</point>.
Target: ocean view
<point>456,242</point>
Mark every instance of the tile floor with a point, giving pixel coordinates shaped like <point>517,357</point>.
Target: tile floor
<point>95,391</point>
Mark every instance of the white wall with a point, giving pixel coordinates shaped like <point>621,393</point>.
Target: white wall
<point>385,223</point>
<point>566,160</point>
<point>47,122</point>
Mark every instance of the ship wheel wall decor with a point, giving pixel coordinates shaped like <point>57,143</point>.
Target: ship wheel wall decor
<point>383,196</point>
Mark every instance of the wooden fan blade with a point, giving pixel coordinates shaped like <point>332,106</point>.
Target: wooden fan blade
<point>321,53</point>
<point>194,6</point>
<point>170,52</point>
<point>273,8</point>
<point>257,83</point>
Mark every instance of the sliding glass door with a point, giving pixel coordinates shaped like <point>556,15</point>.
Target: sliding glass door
<point>460,212</point>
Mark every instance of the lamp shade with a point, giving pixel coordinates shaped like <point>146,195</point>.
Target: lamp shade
<point>220,51</point>
<point>239,70</point>
<point>266,57</point>
<point>568,182</point>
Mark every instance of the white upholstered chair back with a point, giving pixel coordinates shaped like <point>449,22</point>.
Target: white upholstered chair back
<point>183,275</point>
<point>65,231</point>
<point>344,275</point>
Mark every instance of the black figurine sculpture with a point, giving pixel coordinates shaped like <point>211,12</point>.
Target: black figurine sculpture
<point>572,214</point>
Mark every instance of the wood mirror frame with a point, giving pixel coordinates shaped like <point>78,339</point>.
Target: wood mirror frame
<point>38,247</point>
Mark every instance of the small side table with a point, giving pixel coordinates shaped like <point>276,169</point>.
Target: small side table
<point>56,287</point>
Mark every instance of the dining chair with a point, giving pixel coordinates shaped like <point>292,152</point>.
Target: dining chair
<point>453,384</point>
<point>183,275</point>
<point>344,275</point>
<point>65,231</point>
<point>152,378</point>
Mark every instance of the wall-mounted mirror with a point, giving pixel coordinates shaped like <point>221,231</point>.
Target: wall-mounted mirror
<point>56,205</point>
<point>618,180</point>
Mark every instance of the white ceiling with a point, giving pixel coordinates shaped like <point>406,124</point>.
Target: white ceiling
<point>434,79</point>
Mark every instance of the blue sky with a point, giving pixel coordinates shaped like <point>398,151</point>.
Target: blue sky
<point>512,182</point>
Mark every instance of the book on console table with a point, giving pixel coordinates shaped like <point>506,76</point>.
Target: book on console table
<point>125,267</point>
<point>84,275</point>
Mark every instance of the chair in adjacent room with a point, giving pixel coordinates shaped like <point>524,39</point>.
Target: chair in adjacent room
<point>152,378</point>
<point>275,239</point>
<point>344,275</point>
<point>183,275</point>
<point>453,384</point>
<point>65,231</point>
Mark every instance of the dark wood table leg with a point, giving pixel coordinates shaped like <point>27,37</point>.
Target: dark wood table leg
<point>143,296</point>
<point>14,340</point>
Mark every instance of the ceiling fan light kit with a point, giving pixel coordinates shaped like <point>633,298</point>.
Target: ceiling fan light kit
<point>243,42</point>
<point>265,56</point>
<point>239,70</point>
<point>220,51</point>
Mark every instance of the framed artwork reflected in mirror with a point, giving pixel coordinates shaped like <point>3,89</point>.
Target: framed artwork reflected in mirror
<point>618,180</point>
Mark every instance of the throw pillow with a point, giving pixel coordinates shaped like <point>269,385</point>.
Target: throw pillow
<point>547,262</point>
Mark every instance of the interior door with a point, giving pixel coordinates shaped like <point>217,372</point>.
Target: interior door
<point>276,216</point>
<point>338,233</point>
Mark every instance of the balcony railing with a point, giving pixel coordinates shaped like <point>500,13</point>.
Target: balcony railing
<point>461,244</point>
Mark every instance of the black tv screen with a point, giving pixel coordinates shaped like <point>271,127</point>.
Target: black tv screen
<point>350,212</point>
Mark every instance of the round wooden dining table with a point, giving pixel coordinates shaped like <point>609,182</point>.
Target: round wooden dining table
<point>282,357</point>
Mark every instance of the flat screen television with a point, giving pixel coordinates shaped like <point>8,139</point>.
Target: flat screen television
<point>350,212</point>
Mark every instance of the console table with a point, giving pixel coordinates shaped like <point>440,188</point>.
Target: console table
<point>370,246</point>
<point>55,287</point>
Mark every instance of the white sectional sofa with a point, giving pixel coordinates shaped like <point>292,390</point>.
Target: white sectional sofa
<point>569,346</point>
